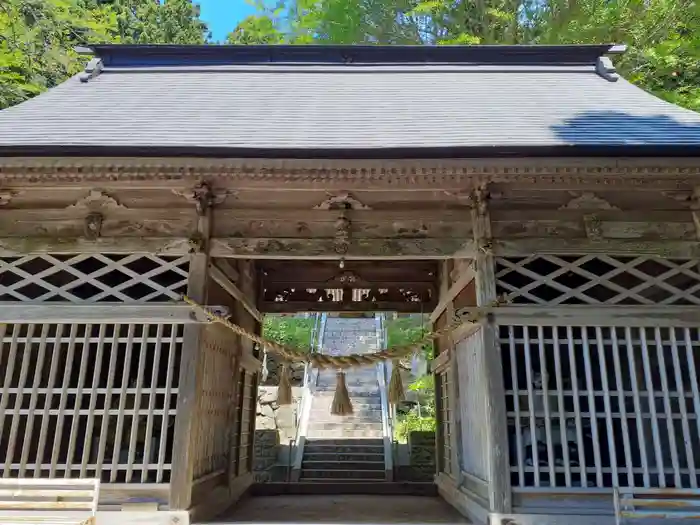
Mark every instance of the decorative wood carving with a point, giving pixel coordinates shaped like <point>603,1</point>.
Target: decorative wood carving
<point>93,226</point>
<point>341,201</point>
<point>342,235</point>
<point>664,175</point>
<point>6,196</point>
<point>96,200</point>
<point>593,225</point>
<point>587,201</point>
<point>203,196</point>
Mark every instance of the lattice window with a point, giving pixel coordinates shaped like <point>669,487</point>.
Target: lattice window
<point>602,407</point>
<point>85,400</point>
<point>135,278</point>
<point>445,421</point>
<point>598,279</point>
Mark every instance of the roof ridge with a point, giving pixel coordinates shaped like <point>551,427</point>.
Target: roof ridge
<point>121,55</point>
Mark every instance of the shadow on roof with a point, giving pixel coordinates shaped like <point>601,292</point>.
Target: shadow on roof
<point>622,128</point>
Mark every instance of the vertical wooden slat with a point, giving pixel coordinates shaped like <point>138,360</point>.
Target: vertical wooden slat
<point>119,432</point>
<point>545,401</point>
<point>623,409</point>
<point>136,420</point>
<point>7,380</point>
<point>55,356</point>
<point>78,399</point>
<point>562,408</point>
<point>34,397</point>
<point>602,361</point>
<point>651,396</point>
<point>97,370</point>
<point>152,403</point>
<point>637,406</point>
<point>692,373</point>
<point>14,429</point>
<point>106,417</point>
<point>65,385</point>
<point>661,361</point>
<point>685,425</point>
<point>531,406</point>
<point>166,405</point>
<point>516,406</point>
<point>590,387</point>
<point>577,406</point>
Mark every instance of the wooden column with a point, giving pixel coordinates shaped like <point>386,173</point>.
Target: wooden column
<point>496,420</point>
<point>183,445</point>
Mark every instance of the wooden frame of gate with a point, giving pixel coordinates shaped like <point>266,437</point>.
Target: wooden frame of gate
<point>563,238</point>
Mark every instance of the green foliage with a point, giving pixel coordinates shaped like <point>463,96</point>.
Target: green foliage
<point>37,37</point>
<point>412,422</point>
<point>663,35</point>
<point>408,330</point>
<point>289,331</point>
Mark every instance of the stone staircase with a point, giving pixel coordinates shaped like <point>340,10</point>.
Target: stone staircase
<point>346,448</point>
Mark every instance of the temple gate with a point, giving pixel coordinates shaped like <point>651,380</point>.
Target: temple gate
<point>552,200</point>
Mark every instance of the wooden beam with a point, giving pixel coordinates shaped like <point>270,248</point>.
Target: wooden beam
<point>227,268</point>
<point>530,246</point>
<point>314,248</point>
<point>599,315</point>
<point>52,313</point>
<point>14,246</point>
<point>452,293</point>
<point>233,290</point>
<point>364,306</point>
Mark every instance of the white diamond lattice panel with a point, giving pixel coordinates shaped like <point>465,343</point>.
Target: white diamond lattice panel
<point>598,279</point>
<point>135,278</point>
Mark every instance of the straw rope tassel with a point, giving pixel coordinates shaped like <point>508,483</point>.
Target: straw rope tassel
<point>284,390</point>
<point>342,405</point>
<point>396,393</point>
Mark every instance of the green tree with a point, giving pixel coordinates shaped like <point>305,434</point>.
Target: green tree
<point>37,37</point>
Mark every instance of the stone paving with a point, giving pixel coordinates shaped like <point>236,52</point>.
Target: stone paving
<point>342,509</point>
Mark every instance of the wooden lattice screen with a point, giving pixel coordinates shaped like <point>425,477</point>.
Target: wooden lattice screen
<point>601,406</point>
<point>94,278</point>
<point>88,400</point>
<point>598,279</point>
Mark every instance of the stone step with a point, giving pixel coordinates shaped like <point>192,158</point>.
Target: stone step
<point>342,465</point>
<point>368,428</point>
<point>340,434</point>
<point>311,448</point>
<point>342,474</point>
<point>343,456</point>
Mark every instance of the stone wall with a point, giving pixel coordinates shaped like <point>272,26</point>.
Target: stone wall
<point>275,427</point>
<point>422,454</point>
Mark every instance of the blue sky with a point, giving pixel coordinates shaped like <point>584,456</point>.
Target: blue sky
<point>222,16</point>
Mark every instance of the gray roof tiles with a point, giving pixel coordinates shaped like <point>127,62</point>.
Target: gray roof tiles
<point>306,107</point>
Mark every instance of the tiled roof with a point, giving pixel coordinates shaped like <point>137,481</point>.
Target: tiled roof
<point>354,100</point>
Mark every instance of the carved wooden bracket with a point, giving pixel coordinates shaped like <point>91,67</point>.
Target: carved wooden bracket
<point>204,197</point>
<point>587,201</point>
<point>96,200</point>
<point>341,201</point>
<point>692,199</point>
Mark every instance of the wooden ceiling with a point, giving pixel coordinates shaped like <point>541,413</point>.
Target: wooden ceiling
<point>357,286</point>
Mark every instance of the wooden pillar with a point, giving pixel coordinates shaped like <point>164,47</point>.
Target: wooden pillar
<point>183,445</point>
<point>496,420</point>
